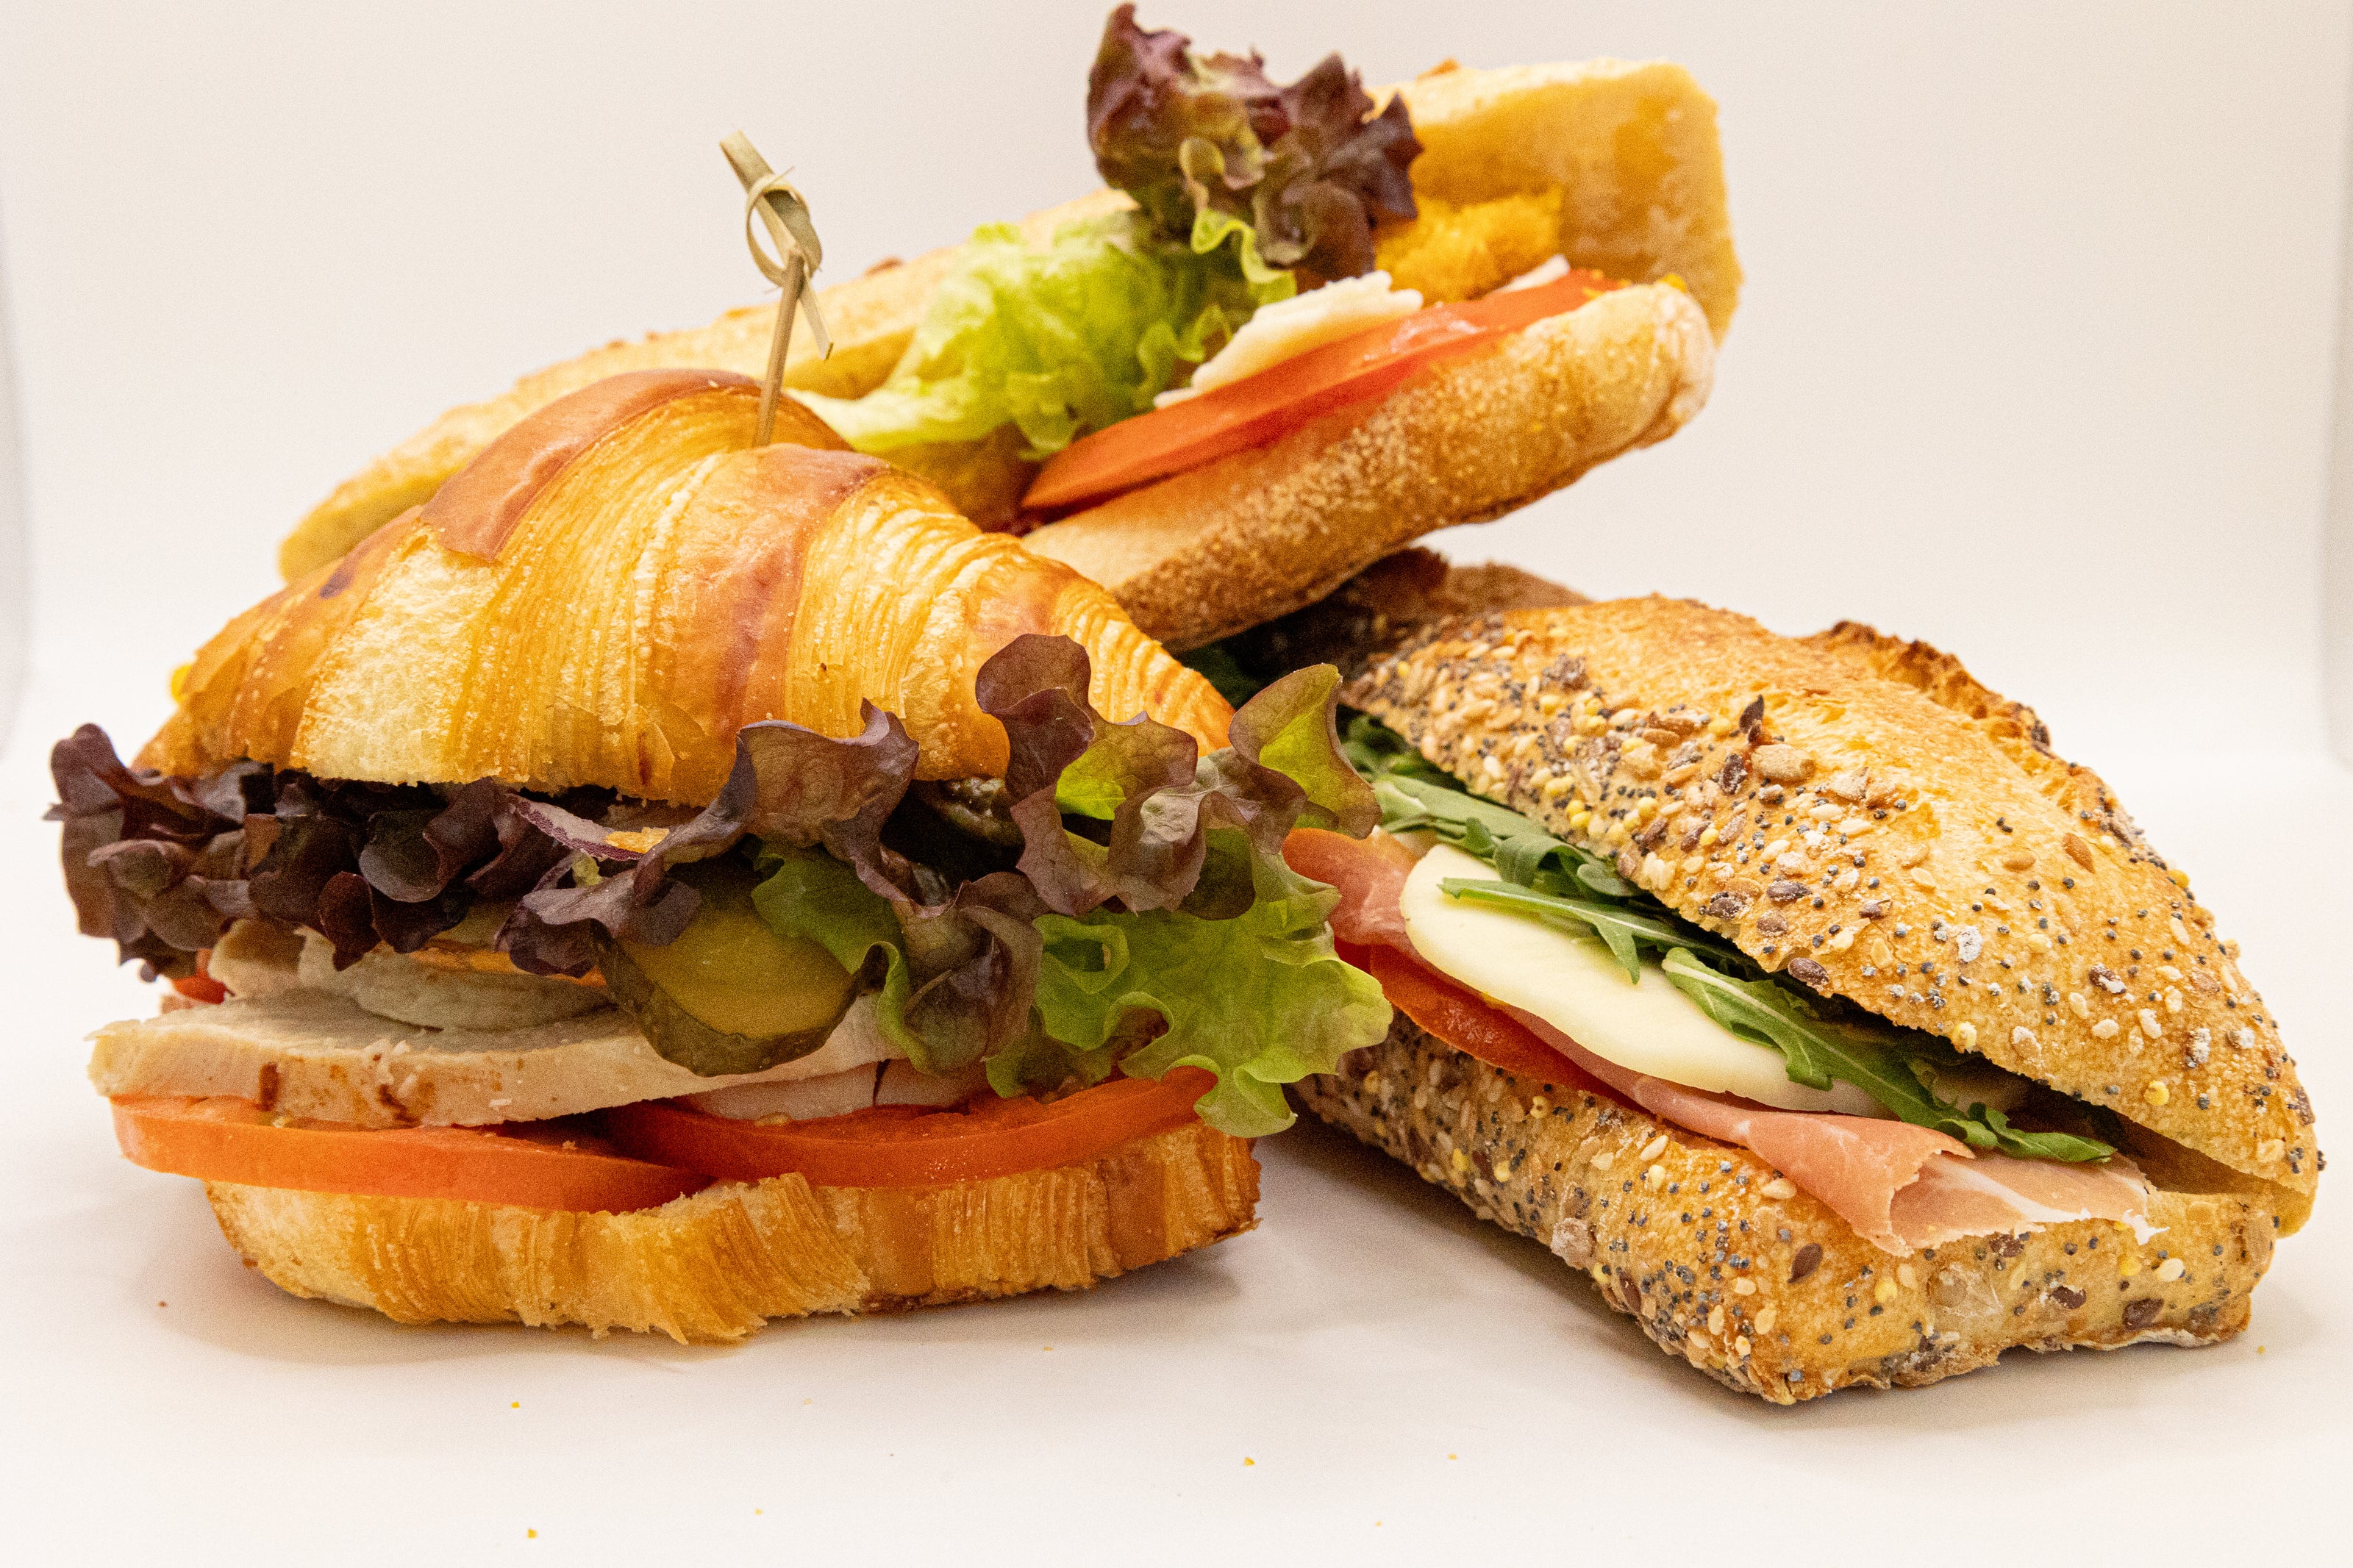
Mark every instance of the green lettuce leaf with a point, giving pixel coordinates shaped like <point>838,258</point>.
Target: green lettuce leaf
<point>1062,340</point>
<point>1261,999</point>
<point>1197,139</point>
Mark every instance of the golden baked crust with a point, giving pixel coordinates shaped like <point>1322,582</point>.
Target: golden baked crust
<point>1630,151</point>
<point>717,1264</point>
<point>620,584</point>
<point>1940,868</point>
<point>1215,549</point>
<point>1776,1296</point>
<point>1379,606</point>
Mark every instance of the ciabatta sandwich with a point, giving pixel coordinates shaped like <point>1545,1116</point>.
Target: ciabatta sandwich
<point>1794,991</point>
<point>669,883</point>
<point>1306,325</point>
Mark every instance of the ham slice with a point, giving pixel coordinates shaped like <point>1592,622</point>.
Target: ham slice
<point>1370,874</point>
<point>1901,1187</point>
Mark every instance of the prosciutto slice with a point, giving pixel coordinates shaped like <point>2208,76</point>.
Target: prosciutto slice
<point>1901,1187</point>
<point>1370,874</point>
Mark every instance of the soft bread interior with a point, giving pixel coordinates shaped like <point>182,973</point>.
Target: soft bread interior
<point>1629,148</point>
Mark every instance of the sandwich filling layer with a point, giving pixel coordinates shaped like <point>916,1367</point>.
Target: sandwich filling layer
<point>824,940</point>
<point>1908,1141</point>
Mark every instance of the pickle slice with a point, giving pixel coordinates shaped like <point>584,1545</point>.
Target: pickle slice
<point>731,995</point>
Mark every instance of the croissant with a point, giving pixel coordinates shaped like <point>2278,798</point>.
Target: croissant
<point>622,581</point>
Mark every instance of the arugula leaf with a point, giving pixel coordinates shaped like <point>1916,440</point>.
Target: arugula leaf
<point>1518,848</point>
<point>1626,930</point>
<point>1545,879</point>
<point>1817,1052</point>
<point>1376,751</point>
<point>1768,1014</point>
<point>1214,662</point>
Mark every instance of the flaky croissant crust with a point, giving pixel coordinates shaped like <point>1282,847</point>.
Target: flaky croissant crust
<point>620,583</point>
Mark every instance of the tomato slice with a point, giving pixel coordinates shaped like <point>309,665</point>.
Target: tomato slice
<point>1260,409</point>
<point>528,1164</point>
<point>1461,1019</point>
<point>905,1146</point>
<point>201,987</point>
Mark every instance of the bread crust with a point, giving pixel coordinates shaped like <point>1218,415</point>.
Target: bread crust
<point>1777,1296</point>
<point>717,1264</point>
<point>1215,549</point>
<point>1858,828</point>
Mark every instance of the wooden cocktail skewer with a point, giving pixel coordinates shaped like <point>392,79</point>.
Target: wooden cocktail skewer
<point>797,253</point>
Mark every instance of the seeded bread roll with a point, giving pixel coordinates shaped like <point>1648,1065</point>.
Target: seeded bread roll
<point>717,1264</point>
<point>1723,1262</point>
<point>1858,813</point>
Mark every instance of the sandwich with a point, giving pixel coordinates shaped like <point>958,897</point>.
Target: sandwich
<point>667,882</point>
<point>1300,326</point>
<point>1797,991</point>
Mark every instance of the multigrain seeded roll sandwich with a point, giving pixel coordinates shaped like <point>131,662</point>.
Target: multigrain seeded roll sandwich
<point>1304,326</point>
<point>1794,991</point>
<point>669,883</point>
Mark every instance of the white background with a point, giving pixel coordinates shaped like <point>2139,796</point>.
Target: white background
<point>2034,361</point>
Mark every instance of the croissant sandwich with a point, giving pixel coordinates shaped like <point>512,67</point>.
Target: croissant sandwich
<point>1795,992</point>
<point>667,882</point>
<point>1302,325</point>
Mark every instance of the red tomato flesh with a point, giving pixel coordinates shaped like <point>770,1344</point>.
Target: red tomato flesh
<point>904,1146</point>
<point>1461,1019</point>
<point>561,1166</point>
<point>1260,409</point>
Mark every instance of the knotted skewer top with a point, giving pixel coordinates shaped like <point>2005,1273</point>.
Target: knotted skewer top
<point>785,212</point>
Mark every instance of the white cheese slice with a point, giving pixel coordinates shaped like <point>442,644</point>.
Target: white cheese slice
<point>1289,327</point>
<point>1572,984</point>
<point>1550,271</point>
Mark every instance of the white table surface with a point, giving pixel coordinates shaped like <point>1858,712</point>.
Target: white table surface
<point>1371,1376</point>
